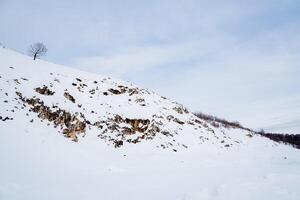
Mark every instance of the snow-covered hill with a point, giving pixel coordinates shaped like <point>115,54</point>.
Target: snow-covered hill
<point>68,134</point>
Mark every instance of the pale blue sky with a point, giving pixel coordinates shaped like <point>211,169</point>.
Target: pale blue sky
<point>237,59</point>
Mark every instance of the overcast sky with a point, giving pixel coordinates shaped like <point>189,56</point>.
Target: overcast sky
<point>237,59</point>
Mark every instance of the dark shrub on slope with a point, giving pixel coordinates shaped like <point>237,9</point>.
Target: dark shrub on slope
<point>291,139</point>
<point>217,122</point>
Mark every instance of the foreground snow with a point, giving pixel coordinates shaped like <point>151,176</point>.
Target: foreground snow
<point>41,165</point>
<point>37,162</point>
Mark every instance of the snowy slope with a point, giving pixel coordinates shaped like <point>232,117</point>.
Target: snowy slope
<point>68,134</point>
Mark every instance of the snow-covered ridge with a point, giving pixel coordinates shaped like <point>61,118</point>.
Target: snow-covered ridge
<point>78,103</point>
<point>41,102</point>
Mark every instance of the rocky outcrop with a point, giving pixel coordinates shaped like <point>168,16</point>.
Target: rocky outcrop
<point>69,123</point>
<point>129,130</point>
<point>116,131</point>
<point>69,97</point>
<point>113,91</point>
<point>121,90</point>
<point>136,125</point>
<point>118,143</point>
<point>44,91</point>
<point>181,110</point>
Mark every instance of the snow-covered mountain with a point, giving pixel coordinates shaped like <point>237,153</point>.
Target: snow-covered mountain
<point>69,134</point>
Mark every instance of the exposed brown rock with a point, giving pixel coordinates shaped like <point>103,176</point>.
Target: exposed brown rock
<point>133,91</point>
<point>116,91</point>
<point>44,91</point>
<point>98,124</point>
<point>127,131</point>
<point>181,110</point>
<point>137,125</point>
<point>178,121</point>
<point>70,124</point>
<point>123,89</point>
<point>118,143</point>
<point>70,97</point>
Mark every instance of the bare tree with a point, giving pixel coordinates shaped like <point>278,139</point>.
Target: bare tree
<point>37,50</point>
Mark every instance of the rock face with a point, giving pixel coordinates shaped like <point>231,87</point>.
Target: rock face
<point>68,122</point>
<point>137,125</point>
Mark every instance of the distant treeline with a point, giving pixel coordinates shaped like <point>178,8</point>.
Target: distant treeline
<point>292,139</point>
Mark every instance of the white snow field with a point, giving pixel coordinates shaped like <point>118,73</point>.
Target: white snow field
<point>67,134</point>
